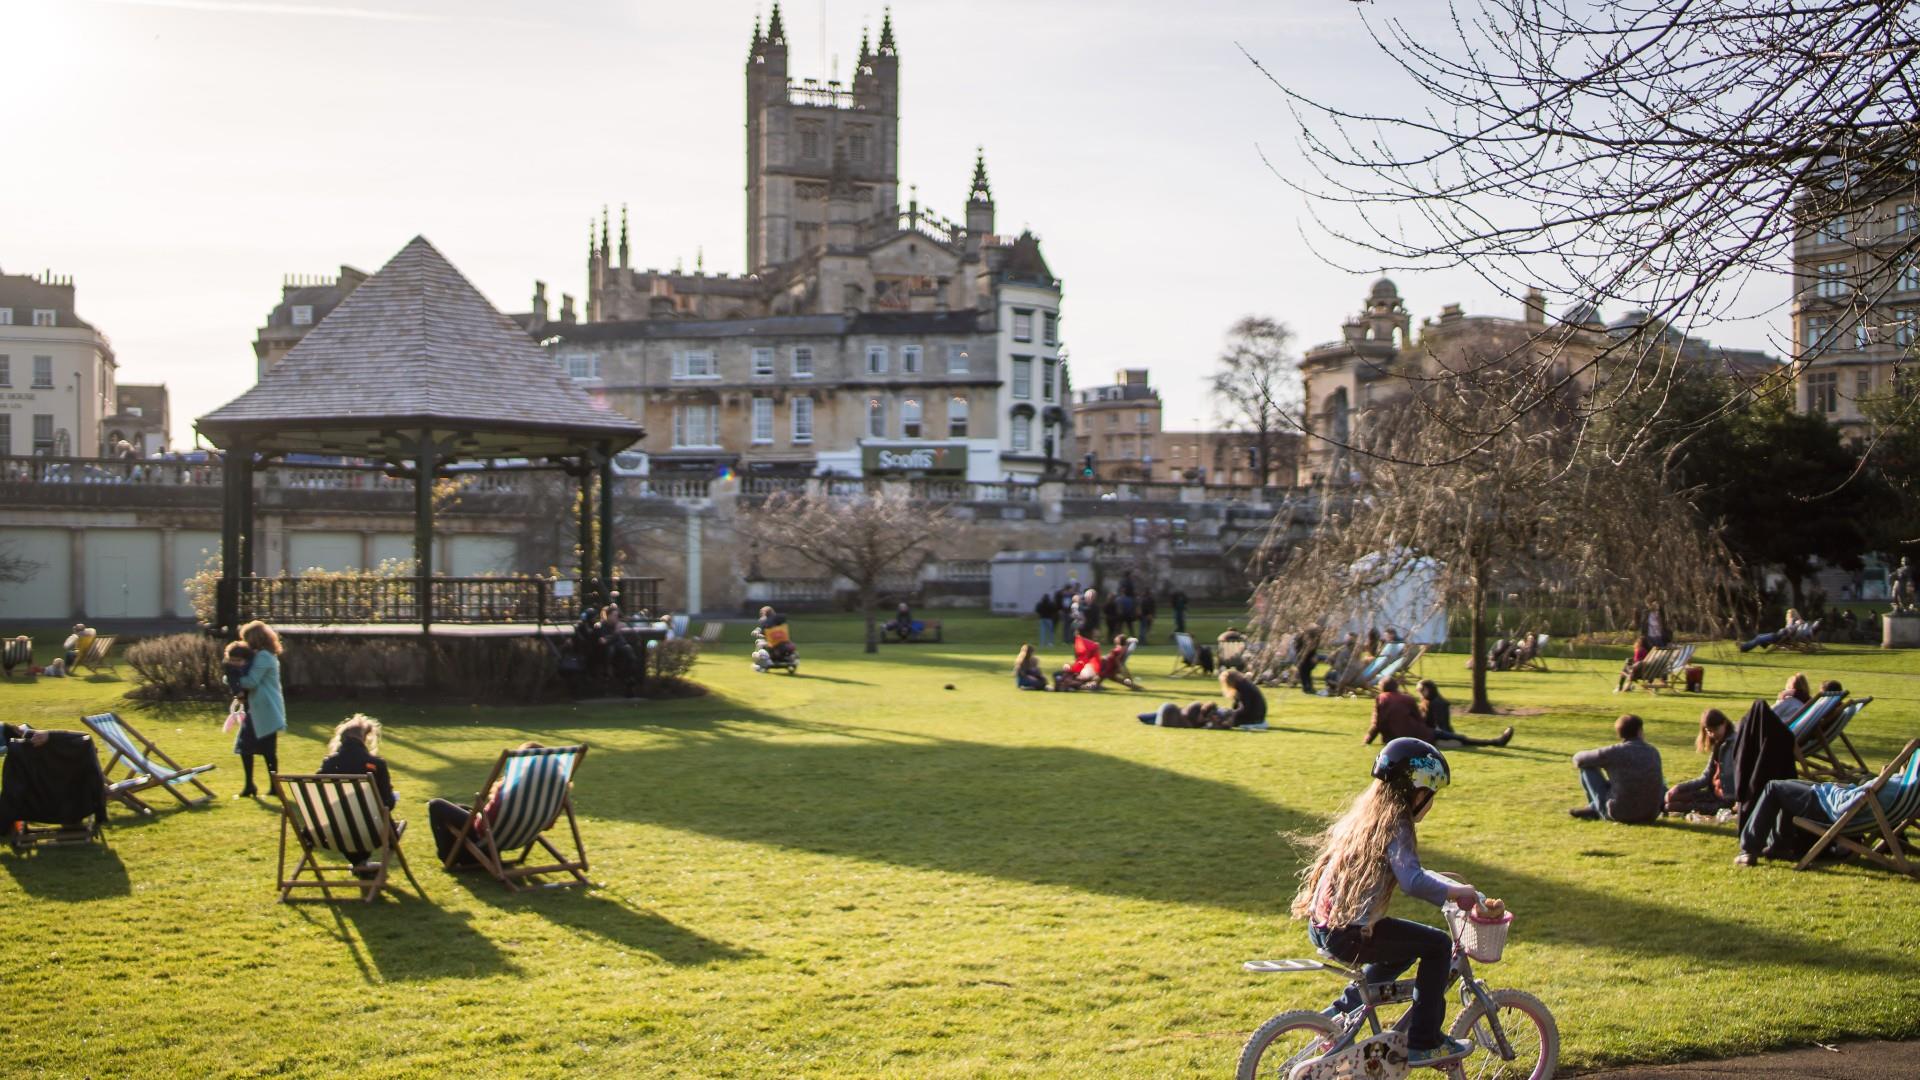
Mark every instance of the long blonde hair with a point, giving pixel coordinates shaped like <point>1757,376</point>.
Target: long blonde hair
<point>361,728</point>
<point>1354,850</point>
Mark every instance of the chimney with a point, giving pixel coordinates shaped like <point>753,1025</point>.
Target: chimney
<point>1536,308</point>
<point>1450,313</point>
<point>540,312</point>
<point>566,308</point>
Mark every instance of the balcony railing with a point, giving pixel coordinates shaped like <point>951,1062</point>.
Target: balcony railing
<point>373,599</point>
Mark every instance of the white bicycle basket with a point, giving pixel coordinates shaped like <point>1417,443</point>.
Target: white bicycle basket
<point>1480,938</point>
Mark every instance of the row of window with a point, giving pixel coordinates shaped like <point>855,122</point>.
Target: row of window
<point>41,317</point>
<point>1906,218</point>
<point>810,142</point>
<point>42,371</point>
<point>1823,388</point>
<point>1023,326</point>
<point>704,364</point>
<point>1023,378</point>
<point>42,433</point>
<point>1820,331</point>
<point>1833,280</point>
<point>698,426</point>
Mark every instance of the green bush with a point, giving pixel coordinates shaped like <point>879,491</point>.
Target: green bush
<point>179,667</point>
<point>672,660</point>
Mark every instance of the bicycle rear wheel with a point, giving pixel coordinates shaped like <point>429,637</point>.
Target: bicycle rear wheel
<point>1530,1030</point>
<point>1283,1042</point>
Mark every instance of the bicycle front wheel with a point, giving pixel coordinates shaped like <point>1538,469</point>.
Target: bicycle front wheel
<point>1283,1042</point>
<point>1529,1028</point>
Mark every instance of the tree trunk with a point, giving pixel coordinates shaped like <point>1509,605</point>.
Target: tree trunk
<point>1477,638</point>
<point>1793,584</point>
<point>867,596</point>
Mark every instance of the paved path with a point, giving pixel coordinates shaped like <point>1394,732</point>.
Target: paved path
<point>1854,1061</point>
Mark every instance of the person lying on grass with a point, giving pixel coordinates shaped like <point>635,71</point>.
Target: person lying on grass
<point>1026,671</point>
<point>1623,781</point>
<point>1356,864</point>
<point>1711,791</point>
<point>1398,716</point>
<point>1246,708</point>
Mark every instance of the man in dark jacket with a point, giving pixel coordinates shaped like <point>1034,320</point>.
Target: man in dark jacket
<point>49,776</point>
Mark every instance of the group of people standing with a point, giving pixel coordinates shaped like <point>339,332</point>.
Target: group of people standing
<point>1128,610</point>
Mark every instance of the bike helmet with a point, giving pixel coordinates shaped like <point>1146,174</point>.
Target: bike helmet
<point>1409,766</point>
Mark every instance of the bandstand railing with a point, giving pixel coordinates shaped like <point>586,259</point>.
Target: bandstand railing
<point>374,599</point>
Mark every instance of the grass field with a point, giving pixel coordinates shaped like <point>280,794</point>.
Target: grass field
<point>861,872</point>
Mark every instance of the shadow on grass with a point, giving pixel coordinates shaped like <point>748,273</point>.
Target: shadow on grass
<point>69,874</point>
<point>408,938</point>
<point>608,917</point>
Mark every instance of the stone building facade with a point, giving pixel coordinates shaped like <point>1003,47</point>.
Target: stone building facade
<point>1856,284</point>
<point>304,301</point>
<point>58,375</point>
<point>861,325</point>
<point>1373,364</point>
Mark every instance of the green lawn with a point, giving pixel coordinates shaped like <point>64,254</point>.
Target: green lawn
<point>861,872</point>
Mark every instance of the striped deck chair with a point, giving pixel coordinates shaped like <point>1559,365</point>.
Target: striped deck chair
<point>711,631</point>
<point>533,791</point>
<point>16,652</point>
<point>98,655</point>
<point>1813,741</point>
<point>1343,681</point>
<point>1187,662</point>
<point>677,626</point>
<point>1881,817</point>
<point>1391,669</point>
<point>345,815</point>
<point>146,765</point>
<point>1533,655</point>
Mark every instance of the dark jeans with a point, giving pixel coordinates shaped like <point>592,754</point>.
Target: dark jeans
<point>1392,947</point>
<point>1306,674</point>
<point>1029,680</point>
<point>446,818</point>
<point>1770,828</point>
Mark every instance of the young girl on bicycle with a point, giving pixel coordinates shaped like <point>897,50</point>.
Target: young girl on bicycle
<point>1345,889</point>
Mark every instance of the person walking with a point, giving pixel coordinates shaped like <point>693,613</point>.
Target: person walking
<point>1179,602</point>
<point>1147,612</point>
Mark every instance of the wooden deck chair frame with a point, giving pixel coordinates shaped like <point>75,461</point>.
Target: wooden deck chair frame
<point>1889,848</point>
<point>482,844</point>
<point>347,812</point>
<point>29,836</point>
<point>1186,660</point>
<point>1536,658</point>
<point>1393,668</point>
<point>98,654</point>
<point>16,653</point>
<point>141,758</point>
<point>1816,755</point>
<point>1344,682</point>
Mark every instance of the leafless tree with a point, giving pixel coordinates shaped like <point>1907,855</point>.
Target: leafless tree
<point>15,568</point>
<point>1529,524</point>
<point>1258,385</point>
<point>1650,155</point>
<point>861,538</point>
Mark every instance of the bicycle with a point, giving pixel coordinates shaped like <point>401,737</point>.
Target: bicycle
<point>1511,1032</point>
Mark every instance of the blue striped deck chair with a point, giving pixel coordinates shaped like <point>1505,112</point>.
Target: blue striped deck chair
<point>1187,662</point>
<point>1391,669</point>
<point>1881,817</point>
<point>343,814</point>
<point>145,765</point>
<point>1813,744</point>
<point>529,789</point>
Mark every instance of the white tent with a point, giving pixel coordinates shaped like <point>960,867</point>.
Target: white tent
<point>1408,600</point>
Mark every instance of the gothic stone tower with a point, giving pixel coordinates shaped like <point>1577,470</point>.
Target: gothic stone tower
<point>806,138</point>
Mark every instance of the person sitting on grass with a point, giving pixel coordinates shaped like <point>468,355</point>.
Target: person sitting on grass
<point>902,624</point>
<point>1026,671</point>
<point>354,751</point>
<point>1770,833</point>
<point>1632,671</point>
<point>1711,791</point>
<point>1113,666</point>
<point>1246,708</point>
<point>1083,671</point>
<point>1623,781</point>
<point>1437,711</point>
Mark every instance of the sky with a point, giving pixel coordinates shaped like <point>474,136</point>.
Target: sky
<point>178,158</point>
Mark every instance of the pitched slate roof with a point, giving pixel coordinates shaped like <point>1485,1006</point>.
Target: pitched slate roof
<point>417,346</point>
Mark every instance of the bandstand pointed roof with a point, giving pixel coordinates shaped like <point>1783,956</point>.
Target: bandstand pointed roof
<point>417,348</point>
